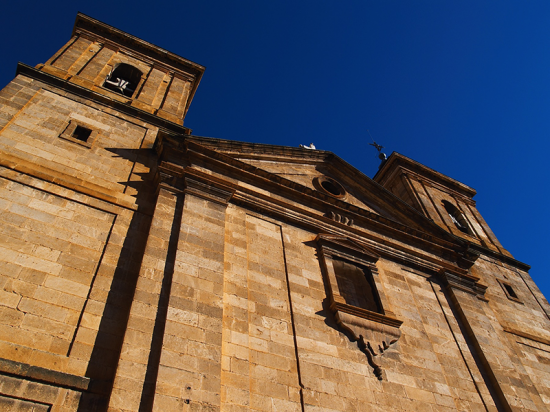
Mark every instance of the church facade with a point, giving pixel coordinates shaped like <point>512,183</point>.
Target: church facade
<point>144,268</point>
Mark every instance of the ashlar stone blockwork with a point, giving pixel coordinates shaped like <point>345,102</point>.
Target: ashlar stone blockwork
<point>146,269</point>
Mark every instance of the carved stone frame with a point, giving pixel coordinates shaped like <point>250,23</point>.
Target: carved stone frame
<point>71,126</point>
<point>374,332</point>
<point>503,284</point>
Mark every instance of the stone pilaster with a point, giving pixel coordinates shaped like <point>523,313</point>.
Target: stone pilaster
<point>189,369</point>
<point>133,382</point>
<point>509,385</point>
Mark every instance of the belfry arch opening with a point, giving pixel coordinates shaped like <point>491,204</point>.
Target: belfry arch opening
<point>457,217</point>
<point>123,79</point>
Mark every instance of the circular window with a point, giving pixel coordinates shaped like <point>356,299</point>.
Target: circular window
<point>329,186</point>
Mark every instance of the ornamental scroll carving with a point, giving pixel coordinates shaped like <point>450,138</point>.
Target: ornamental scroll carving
<point>356,297</point>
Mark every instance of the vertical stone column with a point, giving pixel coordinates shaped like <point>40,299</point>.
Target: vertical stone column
<point>494,357</point>
<point>81,62</point>
<point>274,383</point>
<point>182,105</point>
<point>162,90</point>
<point>190,360</point>
<point>235,389</point>
<point>135,359</point>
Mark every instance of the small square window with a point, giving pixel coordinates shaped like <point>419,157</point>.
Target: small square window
<point>510,292</point>
<point>81,133</point>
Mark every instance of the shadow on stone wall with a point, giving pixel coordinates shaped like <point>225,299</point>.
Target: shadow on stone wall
<point>148,394</point>
<point>108,344</point>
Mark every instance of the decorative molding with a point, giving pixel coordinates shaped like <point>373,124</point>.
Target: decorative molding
<point>170,177</point>
<point>207,190</point>
<point>526,335</point>
<point>467,258</point>
<point>469,285</point>
<point>276,183</point>
<point>373,331</point>
<point>340,218</point>
<point>94,28</point>
<point>288,212</point>
<point>499,257</point>
<point>40,374</point>
<point>329,187</point>
<point>402,164</point>
<point>426,255</point>
<point>22,166</point>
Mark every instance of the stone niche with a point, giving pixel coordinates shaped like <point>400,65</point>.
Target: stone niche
<point>356,297</point>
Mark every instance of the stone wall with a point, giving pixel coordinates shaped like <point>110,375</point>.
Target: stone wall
<point>146,269</point>
<point>66,262</point>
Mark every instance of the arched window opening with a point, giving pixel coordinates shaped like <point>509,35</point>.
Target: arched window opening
<point>457,217</point>
<point>123,79</point>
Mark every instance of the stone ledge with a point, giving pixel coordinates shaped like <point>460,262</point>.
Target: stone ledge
<point>526,335</point>
<point>67,181</point>
<point>43,375</point>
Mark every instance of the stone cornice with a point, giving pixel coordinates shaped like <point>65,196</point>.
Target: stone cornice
<point>213,192</point>
<point>402,171</point>
<point>398,160</point>
<point>46,174</point>
<point>525,335</point>
<point>162,65</point>
<point>319,200</point>
<point>456,252</point>
<point>253,173</point>
<point>243,150</point>
<point>469,284</point>
<point>260,150</point>
<point>85,23</point>
<point>317,223</point>
<point>338,244</point>
<point>499,256</point>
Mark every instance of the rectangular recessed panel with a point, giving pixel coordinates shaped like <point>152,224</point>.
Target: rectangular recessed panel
<point>50,248</point>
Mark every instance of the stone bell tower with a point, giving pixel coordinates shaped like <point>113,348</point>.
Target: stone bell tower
<point>127,70</point>
<point>78,178</point>
<point>448,202</point>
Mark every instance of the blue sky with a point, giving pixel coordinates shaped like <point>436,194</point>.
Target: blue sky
<point>462,87</point>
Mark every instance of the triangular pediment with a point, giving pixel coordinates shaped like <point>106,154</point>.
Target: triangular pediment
<point>304,170</point>
<point>308,174</point>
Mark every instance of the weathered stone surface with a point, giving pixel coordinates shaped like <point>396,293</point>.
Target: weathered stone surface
<point>143,268</point>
